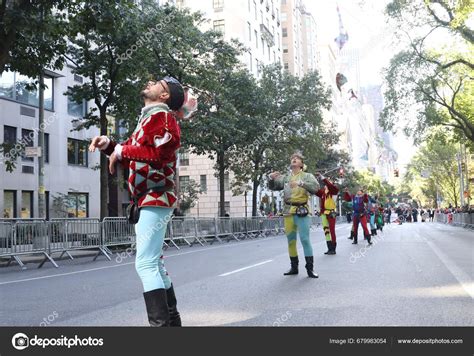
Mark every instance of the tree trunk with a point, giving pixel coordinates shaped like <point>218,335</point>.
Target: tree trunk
<point>114,207</point>
<point>104,170</point>
<point>221,167</point>
<point>255,185</point>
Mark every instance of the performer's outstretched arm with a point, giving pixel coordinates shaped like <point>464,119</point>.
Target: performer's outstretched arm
<point>347,196</point>
<point>277,184</point>
<point>310,183</point>
<point>333,190</point>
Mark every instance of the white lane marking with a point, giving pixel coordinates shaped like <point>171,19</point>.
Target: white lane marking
<point>65,274</point>
<point>462,277</point>
<point>245,268</point>
<point>131,263</point>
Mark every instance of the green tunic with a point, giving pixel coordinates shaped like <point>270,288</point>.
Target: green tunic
<point>298,195</point>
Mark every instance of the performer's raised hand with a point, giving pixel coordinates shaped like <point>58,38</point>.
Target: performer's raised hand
<point>113,159</point>
<point>98,142</point>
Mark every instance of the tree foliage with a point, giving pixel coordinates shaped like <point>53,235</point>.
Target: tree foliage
<point>430,84</point>
<point>434,170</point>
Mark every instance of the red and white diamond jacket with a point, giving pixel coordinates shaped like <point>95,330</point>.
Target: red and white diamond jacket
<point>151,155</point>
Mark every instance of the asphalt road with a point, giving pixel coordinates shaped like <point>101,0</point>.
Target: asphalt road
<point>413,275</point>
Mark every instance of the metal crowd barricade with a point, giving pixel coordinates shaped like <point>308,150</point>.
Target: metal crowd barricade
<point>224,229</point>
<point>239,228</point>
<point>207,229</point>
<point>253,227</point>
<point>76,234</point>
<point>185,229</point>
<point>23,237</point>
<point>117,232</point>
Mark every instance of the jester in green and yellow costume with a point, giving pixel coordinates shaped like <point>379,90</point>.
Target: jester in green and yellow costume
<point>297,187</point>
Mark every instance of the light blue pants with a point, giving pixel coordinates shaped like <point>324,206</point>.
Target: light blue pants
<point>372,222</point>
<point>150,231</point>
<point>293,225</point>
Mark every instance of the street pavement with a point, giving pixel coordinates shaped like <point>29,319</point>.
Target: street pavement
<point>418,274</point>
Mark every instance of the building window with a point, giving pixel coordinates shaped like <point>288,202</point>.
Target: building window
<point>26,205</point>
<point>219,26</point>
<point>203,182</point>
<point>255,9</point>
<point>46,148</point>
<point>261,15</point>
<point>263,47</point>
<point>74,109</point>
<point>284,16</point>
<point>284,32</point>
<point>77,152</point>
<point>226,207</point>
<point>286,66</point>
<point>183,181</point>
<point>27,140</point>
<point>78,205</point>
<point>250,62</point>
<point>20,88</point>
<point>9,204</point>
<point>218,4</point>
<point>285,48</point>
<point>250,9</point>
<point>249,27</point>
<point>9,135</point>
<point>226,182</point>
<point>183,157</point>
<point>269,54</point>
<point>256,38</point>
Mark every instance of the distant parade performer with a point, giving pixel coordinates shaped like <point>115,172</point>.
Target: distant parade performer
<point>328,213</point>
<point>372,207</point>
<point>150,155</point>
<point>379,219</point>
<point>297,187</point>
<point>359,202</point>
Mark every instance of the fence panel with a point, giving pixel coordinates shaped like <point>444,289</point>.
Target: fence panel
<point>77,234</point>
<point>207,229</point>
<point>117,232</point>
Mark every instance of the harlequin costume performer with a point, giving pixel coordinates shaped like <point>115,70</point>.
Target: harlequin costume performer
<point>372,207</point>
<point>150,155</point>
<point>328,213</point>
<point>297,187</point>
<point>359,202</point>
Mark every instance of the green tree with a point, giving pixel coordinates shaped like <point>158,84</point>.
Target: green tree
<point>189,195</point>
<point>434,169</point>
<point>286,116</point>
<point>432,80</point>
<point>101,33</point>
<point>32,35</point>
<point>32,38</point>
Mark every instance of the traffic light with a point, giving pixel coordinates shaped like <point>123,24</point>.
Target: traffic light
<point>396,172</point>
<point>341,172</point>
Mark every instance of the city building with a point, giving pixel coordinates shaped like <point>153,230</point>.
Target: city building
<point>72,184</point>
<point>299,38</point>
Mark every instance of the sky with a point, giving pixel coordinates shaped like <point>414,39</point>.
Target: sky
<point>369,32</point>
